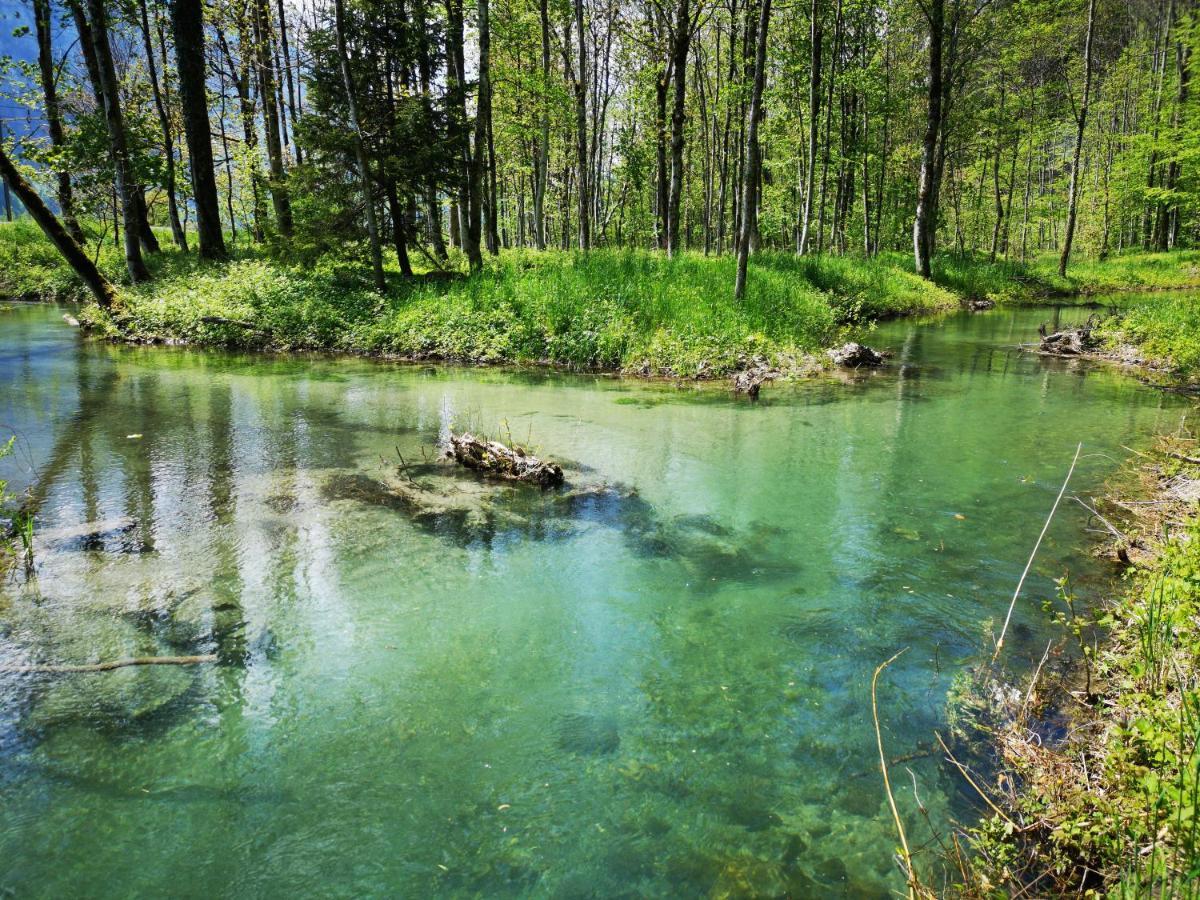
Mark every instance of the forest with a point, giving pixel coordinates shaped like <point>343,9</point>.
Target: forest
<point>402,133</point>
<point>443,544</point>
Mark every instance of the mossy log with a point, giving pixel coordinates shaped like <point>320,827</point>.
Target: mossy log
<point>498,461</point>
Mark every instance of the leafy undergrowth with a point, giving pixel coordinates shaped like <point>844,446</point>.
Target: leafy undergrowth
<point>1109,804</point>
<point>608,309</point>
<point>1165,329</point>
<point>629,310</point>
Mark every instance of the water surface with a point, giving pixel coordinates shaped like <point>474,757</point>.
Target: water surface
<point>656,684</point>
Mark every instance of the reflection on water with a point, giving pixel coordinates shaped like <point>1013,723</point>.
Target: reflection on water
<point>652,682</point>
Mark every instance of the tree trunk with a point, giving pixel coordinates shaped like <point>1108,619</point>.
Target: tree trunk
<point>753,161</point>
<point>923,224</point>
<point>1073,195</point>
<point>360,151</point>
<point>280,197</point>
<point>80,262</point>
<point>66,199</point>
<point>187,26</point>
<point>164,122</point>
<point>681,40</point>
<point>96,28</point>
<point>581,137</point>
<point>541,159</point>
<point>814,111</point>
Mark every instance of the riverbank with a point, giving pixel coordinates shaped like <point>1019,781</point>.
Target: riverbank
<point>630,311</point>
<point>1097,772</point>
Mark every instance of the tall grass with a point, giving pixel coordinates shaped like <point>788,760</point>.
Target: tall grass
<point>605,309</point>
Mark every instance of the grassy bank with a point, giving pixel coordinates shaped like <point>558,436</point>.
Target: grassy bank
<point>608,309</point>
<point>1100,784</point>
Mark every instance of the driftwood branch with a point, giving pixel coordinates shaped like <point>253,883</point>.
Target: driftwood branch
<point>113,664</point>
<point>498,461</point>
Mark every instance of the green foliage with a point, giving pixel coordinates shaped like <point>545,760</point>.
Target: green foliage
<point>1165,328</point>
<point>605,309</point>
<point>7,546</point>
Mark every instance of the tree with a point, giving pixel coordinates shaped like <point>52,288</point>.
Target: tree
<point>94,33</point>
<point>54,125</point>
<point>187,26</point>
<point>753,159</point>
<point>1081,124</point>
<point>364,175</point>
<point>923,223</point>
<point>80,262</point>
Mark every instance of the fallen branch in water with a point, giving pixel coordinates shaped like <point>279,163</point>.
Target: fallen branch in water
<point>1029,565</point>
<point>905,855</point>
<point>113,664</point>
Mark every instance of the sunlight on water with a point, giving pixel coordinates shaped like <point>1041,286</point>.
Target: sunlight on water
<point>654,682</point>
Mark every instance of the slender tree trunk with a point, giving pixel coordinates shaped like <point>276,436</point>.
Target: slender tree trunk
<point>80,262</point>
<point>96,27</point>
<point>681,40</point>
<point>752,151</point>
<point>1073,193</point>
<point>399,229</point>
<point>360,151</point>
<point>923,224</point>
<point>542,156</point>
<point>164,122</point>
<point>187,25</point>
<point>581,136</point>
<point>65,195</point>
<point>814,112</point>
<point>287,69</point>
<point>485,153</point>
<point>433,205</point>
<point>280,196</point>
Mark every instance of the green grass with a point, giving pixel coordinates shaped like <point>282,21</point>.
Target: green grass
<point>609,309</point>
<point>1165,328</point>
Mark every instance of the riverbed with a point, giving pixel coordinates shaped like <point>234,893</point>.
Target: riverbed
<point>656,683</point>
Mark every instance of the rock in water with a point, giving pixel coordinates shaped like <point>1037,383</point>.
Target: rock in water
<point>855,355</point>
<point>510,463</point>
<point>981,304</point>
<point>588,735</point>
<point>749,382</point>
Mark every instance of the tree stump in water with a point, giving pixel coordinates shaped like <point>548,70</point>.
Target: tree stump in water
<point>749,381</point>
<point>854,355</point>
<point>498,461</point>
<point>1069,341</point>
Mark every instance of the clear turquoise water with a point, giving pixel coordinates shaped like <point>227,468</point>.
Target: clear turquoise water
<point>657,684</point>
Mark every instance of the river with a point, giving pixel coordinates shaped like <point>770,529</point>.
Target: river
<point>654,684</point>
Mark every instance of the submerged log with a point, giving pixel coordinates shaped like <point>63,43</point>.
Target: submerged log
<point>498,461</point>
<point>855,355</point>
<point>114,664</point>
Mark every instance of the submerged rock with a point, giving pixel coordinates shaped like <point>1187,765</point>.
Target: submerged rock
<point>588,735</point>
<point>854,355</point>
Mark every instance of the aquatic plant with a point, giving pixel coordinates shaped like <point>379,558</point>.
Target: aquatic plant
<point>9,532</point>
<point>1102,785</point>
